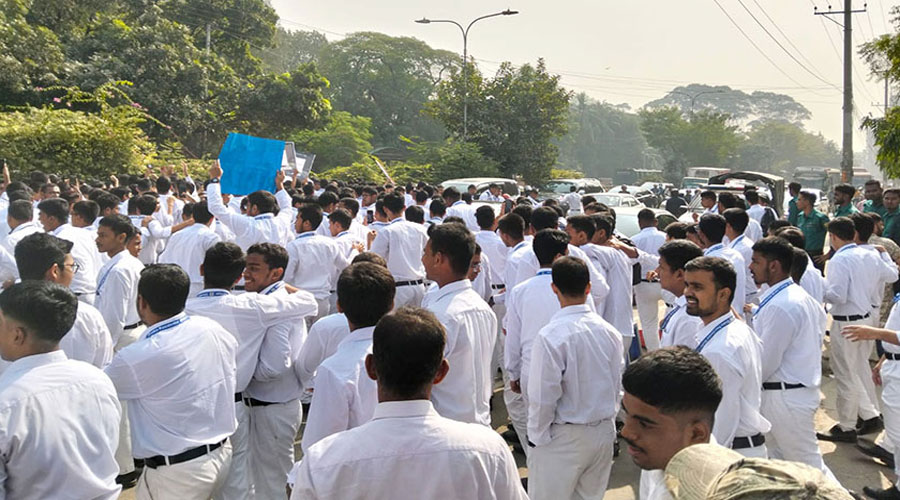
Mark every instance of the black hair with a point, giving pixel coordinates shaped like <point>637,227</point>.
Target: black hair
<point>437,208</point>
<point>809,196</point>
<point>86,209</point>
<point>394,202</point>
<point>484,215</point>
<point>713,226</point>
<point>37,253</point>
<point>675,379</point>
<point>752,196</point>
<point>544,218</point>
<point>799,264</point>
<point>792,235</point>
<point>512,225</point>
<point>571,276</point>
<point>107,201</point>
<point>677,230</point>
<point>451,194</point>
<point>777,249</point>
<point>677,253</point>
<point>710,195</point>
<point>843,228</point>
<point>273,254</point>
<point>327,198</point>
<point>146,204</point>
<point>57,208</point>
<point>119,224</point>
<point>777,224</point>
<point>350,204</point>
<point>143,184</point>
<point>548,243</point>
<point>724,275</point>
<point>200,212</point>
<point>604,223</point>
<point>407,349</point>
<point>737,218</point>
<point>794,186</point>
<point>421,196</point>
<point>863,224</point>
<point>730,200</point>
<point>415,213</point>
<point>165,288</point>
<point>21,210</point>
<point>265,201</point>
<point>163,184</point>
<point>223,264</point>
<point>365,292</point>
<point>45,309</point>
<point>312,213</point>
<point>525,212</point>
<point>456,243</point>
<point>583,224</point>
<point>341,216</point>
<point>646,215</point>
<point>372,257</point>
<point>847,189</point>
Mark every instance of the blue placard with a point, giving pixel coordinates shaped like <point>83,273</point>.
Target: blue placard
<point>250,163</point>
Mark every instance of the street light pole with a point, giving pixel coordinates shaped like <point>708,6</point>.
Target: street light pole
<point>693,97</point>
<point>465,72</point>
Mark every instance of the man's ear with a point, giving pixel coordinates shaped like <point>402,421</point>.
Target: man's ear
<point>202,273</point>
<point>370,367</point>
<point>442,371</point>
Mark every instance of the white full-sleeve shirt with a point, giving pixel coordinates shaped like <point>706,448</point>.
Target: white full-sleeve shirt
<point>409,452</point>
<point>178,380</point>
<point>851,276</point>
<point>529,306</point>
<point>187,249</point>
<point>813,282</point>
<point>678,327</point>
<point>617,268</point>
<point>648,241</point>
<point>117,285</point>
<point>251,230</point>
<point>84,252</point>
<point>59,429</point>
<point>527,266</point>
<point>402,244</point>
<point>465,212</point>
<point>314,264</point>
<point>344,396</point>
<point>744,246</point>
<point>247,317</point>
<point>735,351</point>
<point>322,341</point>
<point>471,328</point>
<point>576,372</point>
<point>496,250</point>
<point>89,339</point>
<point>740,268</point>
<point>791,326</point>
<point>20,232</point>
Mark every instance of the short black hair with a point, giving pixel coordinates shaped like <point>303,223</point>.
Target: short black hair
<point>724,275</point>
<point>422,196</point>
<point>571,276</point>
<point>544,218</point>
<point>57,208</point>
<point>794,186</point>
<point>200,212</point>
<point>677,230</point>
<point>792,235</point>
<point>604,223</point>
<point>843,228</point>
<point>710,195</point>
<point>456,243</point>
<point>415,213</point>
<point>582,224</point>
<point>369,257</point>
<point>713,226</point>
<point>273,254</point>
<point>548,243</point>
<point>451,194</point>
<point>146,204</point>
<point>46,309</point>
<point>407,349</point>
<point>350,204</point>
<point>774,248</point>
<point>341,216</point>
<point>327,198</point>
<point>86,209</point>
<point>312,213</point>
<point>484,215</point>
<point>107,201</point>
<point>525,212</point>
<point>646,215</point>
<point>437,208</point>
<point>777,224</point>
<point>265,201</point>
<point>365,292</point>
<point>37,253</point>
<point>223,264</point>
<point>737,218</point>
<point>864,225</point>
<point>677,253</point>
<point>809,196</point>
<point>730,200</point>
<point>675,379</point>
<point>752,196</point>
<point>845,188</point>
<point>394,202</point>
<point>119,224</point>
<point>163,184</point>
<point>21,210</point>
<point>512,225</point>
<point>165,288</point>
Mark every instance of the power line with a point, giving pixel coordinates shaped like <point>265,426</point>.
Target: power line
<point>786,37</point>
<point>887,27</point>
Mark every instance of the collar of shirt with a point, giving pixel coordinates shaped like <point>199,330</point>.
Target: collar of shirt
<point>717,246</point>
<point>307,234</point>
<point>271,288</point>
<point>165,324</point>
<point>648,230</point>
<point>845,247</point>
<point>701,334</point>
<point>22,365</point>
<point>23,226</point>
<point>457,203</point>
<point>360,335</point>
<point>404,409</point>
<point>573,310</point>
<point>398,219</point>
<point>263,216</point>
<point>456,286</point>
<point>59,229</point>
<point>774,287</point>
<point>544,272</point>
<point>342,233</point>
<point>518,246</point>
<point>213,292</point>
<point>735,241</point>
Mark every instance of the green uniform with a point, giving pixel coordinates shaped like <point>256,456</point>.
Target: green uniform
<point>793,211</point>
<point>879,209</point>
<point>891,224</point>
<point>845,211</point>
<point>813,227</point>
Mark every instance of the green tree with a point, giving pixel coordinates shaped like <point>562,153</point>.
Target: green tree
<point>451,159</point>
<point>277,105</point>
<point>779,147</point>
<point>291,49</point>
<point>743,107</point>
<point>30,56</point>
<point>388,79</point>
<point>513,117</point>
<point>343,141</point>
<point>883,57</point>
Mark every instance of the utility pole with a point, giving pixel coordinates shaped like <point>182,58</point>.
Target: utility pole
<point>847,144</point>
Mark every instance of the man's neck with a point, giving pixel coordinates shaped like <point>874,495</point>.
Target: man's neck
<point>517,242</point>
<point>807,211</point>
<point>112,253</point>
<point>449,280</point>
<point>775,279</point>
<point>710,244</point>
<point>566,301</point>
<point>709,318</point>
<point>839,244</point>
<point>732,235</point>
<point>679,291</point>
<point>151,319</point>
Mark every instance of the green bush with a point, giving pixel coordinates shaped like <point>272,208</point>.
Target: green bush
<point>73,142</point>
<point>367,171</point>
<point>451,159</point>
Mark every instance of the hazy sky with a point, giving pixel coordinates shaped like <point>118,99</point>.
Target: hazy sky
<point>634,51</point>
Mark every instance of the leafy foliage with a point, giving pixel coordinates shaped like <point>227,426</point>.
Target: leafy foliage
<point>742,107</point>
<point>343,141</point>
<point>451,159</point>
<point>291,49</point>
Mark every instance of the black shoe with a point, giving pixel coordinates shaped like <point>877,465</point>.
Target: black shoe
<point>868,447</point>
<point>871,426</point>
<point>616,449</point>
<point>128,480</point>
<point>886,494</point>
<point>837,435</point>
<point>510,434</point>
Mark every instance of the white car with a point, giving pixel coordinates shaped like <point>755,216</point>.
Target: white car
<point>616,199</point>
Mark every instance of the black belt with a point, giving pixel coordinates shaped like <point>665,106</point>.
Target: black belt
<point>891,356</point>
<point>133,326</point>
<point>501,286</point>
<point>854,317</point>
<point>741,443</point>
<point>238,397</point>
<point>779,386</point>
<point>251,402</point>
<point>161,460</point>
<point>411,282</point>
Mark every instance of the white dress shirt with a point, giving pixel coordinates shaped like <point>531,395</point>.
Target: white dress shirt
<point>223,232</point>
<point>20,232</point>
<point>529,306</point>
<point>345,241</point>
<point>274,379</point>
<point>407,451</point>
<point>471,329</point>
<point>345,396</point>
<point>402,244</point>
<point>576,372</point>
<point>888,274</point>
<point>734,351</point>
<point>522,251</point>
<point>178,379</point>
<point>893,323</point>
<point>247,317</point>
<point>465,212</point>
<point>756,212</point>
<point>322,341</point>
<point>89,339</point>
<point>9,270</point>
<point>187,248</point>
<point>743,246</point>
<point>791,326</point>
<point>813,282</point>
<point>678,327</point>
<point>60,429</point>
<point>496,251</point>
<point>117,285</point>
<point>314,264</point>
<point>251,230</point>
<point>574,201</point>
<point>84,252</point>
<point>851,276</point>
<point>648,241</point>
<point>617,268</point>
<point>487,195</point>
<point>740,268</point>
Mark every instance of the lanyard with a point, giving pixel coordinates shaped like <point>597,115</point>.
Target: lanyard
<point>103,278</point>
<point>274,288</point>
<point>770,297</point>
<point>217,293</point>
<point>544,272</point>
<point>307,234</point>
<point>846,247</point>
<point>668,317</point>
<point>166,326</point>
<point>341,234</point>
<point>264,216</point>
<point>739,238</point>
<point>521,243</point>
<point>711,334</point>
<point>717,246</point>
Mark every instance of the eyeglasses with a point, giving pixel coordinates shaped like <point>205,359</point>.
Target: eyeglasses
<point>75,267</point>
<point>475,265</point>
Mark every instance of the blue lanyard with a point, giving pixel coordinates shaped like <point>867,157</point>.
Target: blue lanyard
<point>306,235</point>
<point>521,243</point>
<point>717,246</point>
<point>341,234</point>
<point>668,317</point>
<point>398,219</point>
<point>274,288</point>
<point>712,334</point>
<point>770,297</point>
<point>166,326</point>
<point>264,216</point>
<point>544,272</point>
<point>739,238</point>
<point>217,293</point>
<point>103,278</point>
<point>845,247</point>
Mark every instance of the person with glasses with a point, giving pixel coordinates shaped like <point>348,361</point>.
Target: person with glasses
<point>44,257</point>
<point>53,214</point>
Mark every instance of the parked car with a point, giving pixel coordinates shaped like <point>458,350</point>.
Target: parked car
<point>558,188</point>
<point>508,186</point>
<point>616,199</point>
<point>627,223</point>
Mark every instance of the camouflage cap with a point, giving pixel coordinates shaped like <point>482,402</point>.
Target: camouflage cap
<point>712,472</point>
